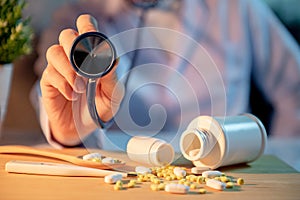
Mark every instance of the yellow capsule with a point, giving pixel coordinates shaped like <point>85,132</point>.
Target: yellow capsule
<point>240,181</point>
<point>132,181</point>
<point>188,177</point>
<point>193,178</point>
<point>119,183</point>
<point>96,160</point>
<point>193,186</point>
<point>149,175</point>
<point>173,176</point>
<point>117,187</point>
<point>156,181</point>
<point>154,187</point>
<point>170,171</point>
<point>160,174</point>
<point>171,167</point>
<point>161,186</point>
<point>202,191</point>
<point>200,179</point>
<point>168,178</point>
<point>224,179</point>
<point>140,179</point>
<point>131,185</point>
<point>141,176</point>
<point>229,185</point>
<point>152,178</point>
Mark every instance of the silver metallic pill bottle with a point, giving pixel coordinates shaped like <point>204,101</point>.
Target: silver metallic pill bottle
<point>221,141</point>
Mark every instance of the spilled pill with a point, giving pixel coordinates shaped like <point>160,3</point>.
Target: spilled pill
<point>240,181</point>
<point>199,170</point>
<point>176,188</point>
<point>215,184</point>
<point>229,185</point>
<point>142,170</point>
<point>211,174</point>
<point>91,156</point>
<point>202,191</point>
<point>179,172</point>
<point>112,178</point>
<point>108,160</point>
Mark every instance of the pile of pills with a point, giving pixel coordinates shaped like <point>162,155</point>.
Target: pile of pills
<point>177,180</point>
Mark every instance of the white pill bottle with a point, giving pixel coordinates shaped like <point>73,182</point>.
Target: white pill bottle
<point>221,141</point>
<point>150,151</point>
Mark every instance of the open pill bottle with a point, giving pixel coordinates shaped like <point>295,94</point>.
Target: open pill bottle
<point>150,151</point>
<point>221,141</point>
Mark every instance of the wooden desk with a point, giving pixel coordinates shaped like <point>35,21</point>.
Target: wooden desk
<point>266,178</point>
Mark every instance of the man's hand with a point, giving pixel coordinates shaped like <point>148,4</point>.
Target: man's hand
<point>63,91</point>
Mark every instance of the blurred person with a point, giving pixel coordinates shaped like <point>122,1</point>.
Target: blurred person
<point>242,38</point>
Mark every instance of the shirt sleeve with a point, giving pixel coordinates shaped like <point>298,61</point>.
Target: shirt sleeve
<point>36,100</point>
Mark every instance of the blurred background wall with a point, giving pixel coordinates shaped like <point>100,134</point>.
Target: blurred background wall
<point>21,116</point>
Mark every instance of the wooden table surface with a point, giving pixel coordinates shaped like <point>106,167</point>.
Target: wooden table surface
<point>266,178</point>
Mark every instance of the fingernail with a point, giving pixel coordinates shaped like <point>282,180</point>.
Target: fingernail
<point>80,85</point>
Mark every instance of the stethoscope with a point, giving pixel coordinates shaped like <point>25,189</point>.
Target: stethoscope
<point>93,56</point>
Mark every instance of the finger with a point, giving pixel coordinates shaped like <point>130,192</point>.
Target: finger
<point>86,23</point>
<point>66,39</point>
<point>57,58</point>
<point>54,84</point>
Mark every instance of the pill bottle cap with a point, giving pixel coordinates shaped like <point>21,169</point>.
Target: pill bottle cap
<point>150,151</point>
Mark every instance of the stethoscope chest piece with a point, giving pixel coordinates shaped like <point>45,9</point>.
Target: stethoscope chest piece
<point>92,55</point>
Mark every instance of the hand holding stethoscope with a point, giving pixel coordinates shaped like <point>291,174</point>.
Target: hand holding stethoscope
<point>63,87</point>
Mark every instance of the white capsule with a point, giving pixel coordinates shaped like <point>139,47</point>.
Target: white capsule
<point>215,184</point>
<point>176,188</point>
<point>108,160</point>
<point>199,170</point>
<point>142,170</point>
<point>112,178</point>
<point>211,174</point>
<point>91,156</point>
<point>179,172</point>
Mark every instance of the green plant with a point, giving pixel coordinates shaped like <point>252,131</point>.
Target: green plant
<point>15,32</point>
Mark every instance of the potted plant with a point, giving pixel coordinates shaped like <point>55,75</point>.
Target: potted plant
<point>15,41</point>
